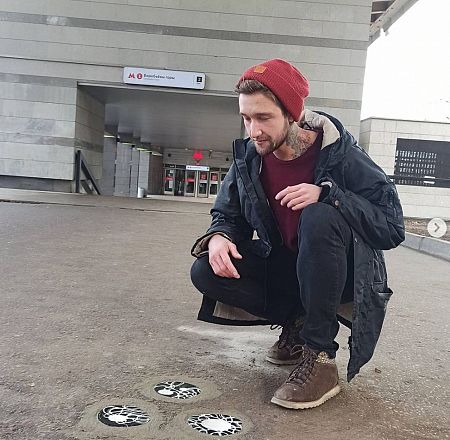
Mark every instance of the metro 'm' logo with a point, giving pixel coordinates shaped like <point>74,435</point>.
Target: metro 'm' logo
<point>133,76</point>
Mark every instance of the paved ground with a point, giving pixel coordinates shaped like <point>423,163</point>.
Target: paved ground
<point>96,306</point>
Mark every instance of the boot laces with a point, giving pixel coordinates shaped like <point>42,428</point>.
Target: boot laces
<point>303,370</point>
<point>288,331</point>
<point>284,336</point>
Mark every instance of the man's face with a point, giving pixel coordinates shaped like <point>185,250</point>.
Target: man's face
<point>264,121</point>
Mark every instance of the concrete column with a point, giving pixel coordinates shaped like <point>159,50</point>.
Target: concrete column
<point>109,166</point>
<point>144,170</point>
<point>134,172</point>
<point>123,170</point>
<point>155,180</point>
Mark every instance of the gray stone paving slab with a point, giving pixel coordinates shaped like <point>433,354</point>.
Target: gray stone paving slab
<point>96,301</point>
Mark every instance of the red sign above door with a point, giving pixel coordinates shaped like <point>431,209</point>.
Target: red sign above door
<point>197,156</point>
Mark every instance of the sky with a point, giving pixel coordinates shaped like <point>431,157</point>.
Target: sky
<point>408,70</point>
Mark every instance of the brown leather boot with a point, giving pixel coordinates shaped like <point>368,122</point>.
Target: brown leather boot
<point>311,383</point>
<point>280,352</point>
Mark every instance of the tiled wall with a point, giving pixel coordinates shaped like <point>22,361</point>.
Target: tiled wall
<point>89,130</point>
<point>36,127</point>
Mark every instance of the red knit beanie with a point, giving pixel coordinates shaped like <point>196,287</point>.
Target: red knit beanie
<point>284,81</point>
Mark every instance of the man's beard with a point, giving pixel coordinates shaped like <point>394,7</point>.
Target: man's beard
<point>288,133</point>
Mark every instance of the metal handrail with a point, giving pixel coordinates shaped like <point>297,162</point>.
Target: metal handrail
<point>82,166</point>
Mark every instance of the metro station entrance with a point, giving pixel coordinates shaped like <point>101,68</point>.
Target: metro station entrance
<point>169,125</point>
<point>192,181</point>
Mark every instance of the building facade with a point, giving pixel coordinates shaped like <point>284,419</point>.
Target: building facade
<point>417,155</point>
<point>62,83</point>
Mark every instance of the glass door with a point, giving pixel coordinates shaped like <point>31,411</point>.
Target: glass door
<point>213,183</point>
<point>202,184</point>
<point>179,182</point>
<point>169,180</point>
<point>190,184</point>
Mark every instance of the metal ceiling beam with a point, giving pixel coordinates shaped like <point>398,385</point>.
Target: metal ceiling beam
<point>395,9</point>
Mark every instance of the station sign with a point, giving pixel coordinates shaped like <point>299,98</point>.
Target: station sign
<point>197,168</point>
<point>163,78</point>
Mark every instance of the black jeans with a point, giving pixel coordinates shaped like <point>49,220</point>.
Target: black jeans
<point>283,286</point>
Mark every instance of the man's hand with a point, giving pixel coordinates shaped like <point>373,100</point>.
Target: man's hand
<point>299,196</point>
<point>220,249</point>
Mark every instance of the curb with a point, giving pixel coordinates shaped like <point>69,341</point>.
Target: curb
<point>428,245</point>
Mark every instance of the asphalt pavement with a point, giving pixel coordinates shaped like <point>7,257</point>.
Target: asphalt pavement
<point>97,308</point>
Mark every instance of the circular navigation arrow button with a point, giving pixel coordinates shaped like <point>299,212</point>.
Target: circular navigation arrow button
<point>437,228</point>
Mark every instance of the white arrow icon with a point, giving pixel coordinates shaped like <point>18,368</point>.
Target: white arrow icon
<point>437,227</point>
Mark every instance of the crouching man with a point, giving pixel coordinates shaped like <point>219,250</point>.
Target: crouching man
<point>322,211</point>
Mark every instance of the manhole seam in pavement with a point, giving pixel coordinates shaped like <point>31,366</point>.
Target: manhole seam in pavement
<point>219,425</point>
<point>183,390</point>
<point>123,416</point>
<point>177,390</point>
<point>133,418</point>
<point>204,422</point>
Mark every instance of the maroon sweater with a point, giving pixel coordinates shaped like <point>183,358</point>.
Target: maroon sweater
<point>276,175</point>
